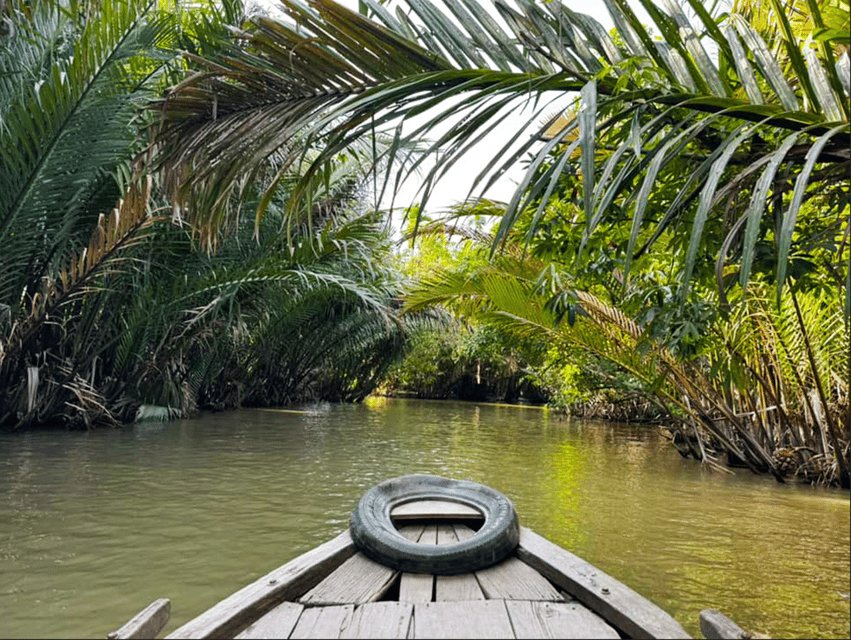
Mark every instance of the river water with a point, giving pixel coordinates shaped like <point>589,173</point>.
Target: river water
<point>94,526</point>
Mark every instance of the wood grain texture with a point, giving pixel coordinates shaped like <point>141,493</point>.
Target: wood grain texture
<point>380,620</point>
<point>714,625</point>
<point>277,624</point>
<point>513,579</point>
<point>556,620</point>
<point>415,587</point>
<point>446,534</point>
<point>411,531</point>
<point>288,582</point>
<point>356,581</point>
<point>323,622</point>
<point>454,588</point>
<point>612,600</point>
<point>429,535</point>
<point>480,619</point>
<point>457,588</point>
<point>435,510</point>
<point>145,624</point>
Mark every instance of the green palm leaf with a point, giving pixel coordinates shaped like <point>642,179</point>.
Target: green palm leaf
<point>64,134</point>
<point>331,77</point>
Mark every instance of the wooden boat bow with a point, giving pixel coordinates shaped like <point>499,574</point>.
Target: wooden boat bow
<point>335,591</point>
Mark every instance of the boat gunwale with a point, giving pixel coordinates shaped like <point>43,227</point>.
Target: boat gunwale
<point>616,603</point>
<point>289,581</point>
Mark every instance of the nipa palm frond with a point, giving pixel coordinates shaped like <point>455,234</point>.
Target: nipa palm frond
<point>113,233</point>
<point>329,76</point>
<point>66,129</point>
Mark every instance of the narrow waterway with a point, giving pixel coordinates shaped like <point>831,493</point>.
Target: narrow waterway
<point>93,526</point>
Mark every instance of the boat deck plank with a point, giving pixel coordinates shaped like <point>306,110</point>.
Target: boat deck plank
<point>277,624</point>
<point>457,588</point>
<point>412,532</point>
<point>429,534</point>
<point>477,619</point>
<point>556,620</point>
<point>358,580</point>
<point>513,579</point>
<point>462,531</point>
<point>323,622</point>
<point>415,587</point>
<point>460,587</point>
<point>380,620</point>
<point>434,510</point>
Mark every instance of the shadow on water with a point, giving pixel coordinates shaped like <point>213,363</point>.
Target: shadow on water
<point>93,526</point>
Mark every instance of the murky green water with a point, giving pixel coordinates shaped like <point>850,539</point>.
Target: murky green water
<point>93,526</point>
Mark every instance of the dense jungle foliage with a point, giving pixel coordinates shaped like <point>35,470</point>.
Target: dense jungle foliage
<point>677,250</point>
<point>113,312</point>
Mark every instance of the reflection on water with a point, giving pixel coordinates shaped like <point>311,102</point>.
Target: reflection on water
<point>93,526</point>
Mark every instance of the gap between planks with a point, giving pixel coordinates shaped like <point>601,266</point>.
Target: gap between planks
<point>512,579</point>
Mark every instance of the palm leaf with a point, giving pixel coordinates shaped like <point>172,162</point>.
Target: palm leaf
<point>331,77</point>
<point>64,136</point>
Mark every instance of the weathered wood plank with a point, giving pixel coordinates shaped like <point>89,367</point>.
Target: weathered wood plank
<point>556,620</point>
<point>479,619</point>
<point>415,587</point>
<point>277,624</point>
<point>435,510</point>
<point>446,534</point>
<point>612,600</point>
<point>145,624</point>
<point>323,622</point>
<point>424,585</point>
<point>462,531</point>
<point>380,620</point>
<point>513,579</point>
<point>356,581</point>
<point>429,534</point>
<point>454,588</point>
<point>411,531</point>
<point>287,582</point>
<point>714,625</point>
<point>457,588</point>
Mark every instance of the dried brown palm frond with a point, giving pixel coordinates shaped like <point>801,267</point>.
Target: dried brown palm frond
<point>115,231</point>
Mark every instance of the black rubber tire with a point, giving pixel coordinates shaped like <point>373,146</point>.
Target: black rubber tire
<point>375,535</point>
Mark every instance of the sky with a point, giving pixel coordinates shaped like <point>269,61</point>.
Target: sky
<point>454,186</point>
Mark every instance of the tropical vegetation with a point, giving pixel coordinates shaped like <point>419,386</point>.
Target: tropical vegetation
<point>679,242</point>
<point>110,310</point>
<point>690,199</point>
